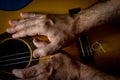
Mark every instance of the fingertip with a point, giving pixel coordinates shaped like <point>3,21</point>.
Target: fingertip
<point>22,14</point>
<point>13,22</point>
<point>10,23</point>
<point>39,53</point>
<point>37,42</point>
<point>7,30</point>
<point>36,54</point>
<point>17,73</point>
<point>14,36</point>
<point>10,30</point>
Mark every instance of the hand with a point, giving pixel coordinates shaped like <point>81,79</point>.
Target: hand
<point>59,29</point>
<point>60,66</point>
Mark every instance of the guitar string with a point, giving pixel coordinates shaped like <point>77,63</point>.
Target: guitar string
<point>44,58</point>
<point>17,63</point>
<point>14,59</point>
<point>13,55</point>
<point>41,59</point>
<point>18,54</point>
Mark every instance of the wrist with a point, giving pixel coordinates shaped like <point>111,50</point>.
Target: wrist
<point>80,23</point>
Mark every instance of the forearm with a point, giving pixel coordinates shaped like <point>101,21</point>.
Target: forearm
<point>98,14</point>
<point>90,73</point>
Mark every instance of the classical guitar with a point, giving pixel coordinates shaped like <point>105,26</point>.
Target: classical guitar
<point>99,46</point>
<point>17,53</point>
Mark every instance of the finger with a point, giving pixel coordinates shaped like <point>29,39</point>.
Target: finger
<point>39,43</point>
<point>19,25</point>
<point>24,73</point>
<point>30,31</point>
<point>37,71</point>
<point>13,22</point>
<point>39,52</point>
<point>32,14</point>
<point>26,22</point>
<point>43,51</point>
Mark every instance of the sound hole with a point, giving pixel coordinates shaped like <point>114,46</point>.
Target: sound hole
<point>13,54</point>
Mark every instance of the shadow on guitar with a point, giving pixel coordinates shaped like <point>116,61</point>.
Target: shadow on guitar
<point>101,46</point>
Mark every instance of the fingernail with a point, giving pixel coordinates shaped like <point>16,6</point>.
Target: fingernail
<point>36,54</point>
<point>10,22</point>
<point>17,73</point>
<point>9,30</point>
<point>14,36</point>
<point>23,14</point>
<point>13,21</point>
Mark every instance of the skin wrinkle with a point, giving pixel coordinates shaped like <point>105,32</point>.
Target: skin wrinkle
<point>75,75</point>
<point>97,15</point>
<point>66,67</point>
<point>62,65</point>
<point>68,20</point>
<point>45,71</point>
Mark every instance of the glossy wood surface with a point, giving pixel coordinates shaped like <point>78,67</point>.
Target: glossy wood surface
<point>105,44</point>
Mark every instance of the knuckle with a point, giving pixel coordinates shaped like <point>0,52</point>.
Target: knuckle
<point>42,16</point>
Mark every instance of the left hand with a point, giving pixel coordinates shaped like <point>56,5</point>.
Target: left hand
<point>60,66</point>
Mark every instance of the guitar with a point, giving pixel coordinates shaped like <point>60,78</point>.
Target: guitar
<point>17,53</point>
<point>102,43</point>
<point>96,43</point>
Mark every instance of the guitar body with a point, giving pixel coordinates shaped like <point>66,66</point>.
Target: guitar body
<point>105,45</point>
<point>100,46</point>
<point>15,53</point>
